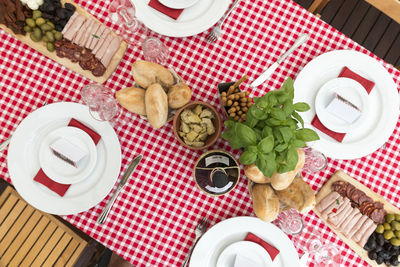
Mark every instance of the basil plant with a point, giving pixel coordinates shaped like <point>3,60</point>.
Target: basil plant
<point>270,134</point>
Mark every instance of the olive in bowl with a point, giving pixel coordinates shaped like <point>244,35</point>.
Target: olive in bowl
<point>197,125</point>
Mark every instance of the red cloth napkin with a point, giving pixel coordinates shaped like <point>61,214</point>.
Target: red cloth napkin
<point>170,12</point>
<point>345,73</point>
<point>61,189</point>
<point>272,251</point>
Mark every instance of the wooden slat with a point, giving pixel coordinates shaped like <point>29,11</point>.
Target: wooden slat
<point>58,250</point>
<point>394,52</point>
<point>40,243</point>
<point>30,241</point>
<point>4,195</point>
<point>14,214</point>
<point>330,10</point>
<point>76,254</point>
<point>343,14</point>
<point>389,7</point>
<point>387,39</point>
<point>22,236</point>
<point>68,252</point>
<point>48,248</point>
<point>376,32</point>
<point>15,229</point>
<point>366,25</point>
<point>7,207</point>
<point>355,19</point>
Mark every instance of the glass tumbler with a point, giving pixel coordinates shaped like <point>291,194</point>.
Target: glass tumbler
<point>315,160</point>
<point>290,222</point>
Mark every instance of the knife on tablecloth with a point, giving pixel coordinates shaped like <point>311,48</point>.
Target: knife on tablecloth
<point>265,75</point>
<point>131,168</point>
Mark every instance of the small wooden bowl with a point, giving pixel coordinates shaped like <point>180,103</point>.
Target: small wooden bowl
<point>211,139</point>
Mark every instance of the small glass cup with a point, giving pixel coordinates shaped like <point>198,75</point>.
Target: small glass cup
<point>290,222</point>
<point>315,161</point>
<point>154,50</point>
<point>101,102</point>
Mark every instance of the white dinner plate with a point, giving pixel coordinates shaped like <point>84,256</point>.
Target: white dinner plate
<point>193,20</point>
<point>248,249</point>
<point>178,4</point>
<point>383,102</point>
<point>59,170</point>
<point>23,161</point>
<point>232,230</point>
<point>350,90</point>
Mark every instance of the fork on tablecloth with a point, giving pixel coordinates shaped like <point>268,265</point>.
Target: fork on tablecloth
<point>201,228</point>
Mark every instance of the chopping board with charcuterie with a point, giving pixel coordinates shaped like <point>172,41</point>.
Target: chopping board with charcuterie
<point>364,220</point>
<point>67,34</point>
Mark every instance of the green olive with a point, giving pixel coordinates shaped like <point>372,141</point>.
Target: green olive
<point>27,28</point>
<point>38,33</point>
<point>44,39</point>
<point>34,37</point>
<point>30,22</point>
<point>397,233</point>
<point>50,47</point>
<point>386,226</point>
<point>40,21</point>
<point>51,25</point>
<point>395,225</point>
<point>395,242</point>
<point>58,35</point>
<point>388,234</point>
<point>389,218</point>
<point>54,31</point>
<point>397,217</point>
<point>36,14</point>
<point>380,229</point>
<point>50,36</point>
<point>45,27</point>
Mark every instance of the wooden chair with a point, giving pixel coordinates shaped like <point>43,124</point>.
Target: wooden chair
<point>29,237</point>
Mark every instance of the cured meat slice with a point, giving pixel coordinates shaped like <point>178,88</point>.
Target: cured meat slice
<point>69,23</point>
<point>336,218</point>
<point>366,235</point>
<point>339,186</point>
<point>357,226</point>
<point>360,232</point>
<point>326,201</point>
<point>111,50</point>
<point>378,216</point>
<point>350,225</point>
<point>356,195</point>
<point>349,217</point>
<point>92,34</point>
<point>349,189</point>
<point>364,198</point>
<point>101,40</point>
<point>328,210</point>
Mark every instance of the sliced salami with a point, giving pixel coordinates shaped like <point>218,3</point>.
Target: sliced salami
<point>378,216</point>
<point>363,199</point>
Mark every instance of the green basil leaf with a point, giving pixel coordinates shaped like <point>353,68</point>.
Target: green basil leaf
<point>272,101</point>
<point>292,158</point>
<point>266,145</point>
<point>287,134</point>
<point>288,87</point>
<point>266,164</point>
<point>258,133</point>
<point>282,98</point>
<point>273,122</point>
<point>251,121</point>
<point>298,143</point>
<point>246,134</point>
<point>288,108</point>
<point>258,113</point>
<point>280,148</point>
<point>282,168</point>
<point>267,131</point>
<point>306,135</point>
<point>278,114</point>
<point>298,118</point>
<point>248,157</point>
<point>301,106</point>
<point>252,149</point>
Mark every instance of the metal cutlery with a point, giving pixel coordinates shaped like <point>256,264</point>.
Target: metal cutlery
<point>201,228</point>
<point>265,75</point>
<point>5,143</point>
<point>131,168</point>
<point>216,31</point>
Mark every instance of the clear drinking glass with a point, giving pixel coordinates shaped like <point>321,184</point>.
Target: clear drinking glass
<point>154,50</point>
<point>315,160</point>
<point>101,102</point>
<point>290,222</point>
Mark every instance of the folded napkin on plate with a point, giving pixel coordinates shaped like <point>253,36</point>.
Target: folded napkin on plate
<point>58,188</point>
<point>170,12</point>
<point>345,73</point>
<point>272,251</point>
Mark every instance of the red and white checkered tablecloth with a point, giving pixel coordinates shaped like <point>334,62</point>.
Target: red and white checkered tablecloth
<point>152,221</point>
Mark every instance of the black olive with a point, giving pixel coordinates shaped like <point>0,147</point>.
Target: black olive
<point>378,248</point>
<point>385,255</point>
<point>60,13</point>
<point>69,6</point>
<point>55,19</point>
<point>372,243</point>
<point>50,8</point>
<point>57,5</point>
<point>59,27</point>
<point>372,255</point>
<point>379,260</point>
<point>387,262</point>
<point>380,240</point>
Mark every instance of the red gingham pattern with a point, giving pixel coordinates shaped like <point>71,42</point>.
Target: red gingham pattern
<point>152,220</point>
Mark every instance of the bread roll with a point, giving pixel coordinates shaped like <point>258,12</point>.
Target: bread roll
<point>298,195</point>
<point>265,202</point>
<point>179,95</point>
<point>156,104</point>
<point>147,73</point>
<point>280,181</point>
<point>253,173</point>
<point>132,98</point>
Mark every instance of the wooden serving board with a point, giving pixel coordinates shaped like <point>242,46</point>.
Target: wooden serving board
<point>41,47</point>
<point>326,189</point>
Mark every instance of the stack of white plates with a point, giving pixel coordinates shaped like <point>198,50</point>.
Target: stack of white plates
<point>220,245</point>
<point>29,152</point>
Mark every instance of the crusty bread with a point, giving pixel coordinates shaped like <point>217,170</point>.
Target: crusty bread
<point>298,195</point>
<point>156,104</point>
<point>132,98</point>
<point>179,95</point>
<point>253,173</point>
<point>147,73</point>
<point>265,202</point>
<point>280,181</point>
